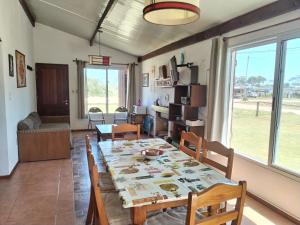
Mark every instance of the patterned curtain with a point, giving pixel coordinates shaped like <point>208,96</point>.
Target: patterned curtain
<point>131,87</point>
<point>81,90</point>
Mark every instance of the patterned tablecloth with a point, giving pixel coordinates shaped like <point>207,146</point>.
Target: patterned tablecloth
<point>169,178</point>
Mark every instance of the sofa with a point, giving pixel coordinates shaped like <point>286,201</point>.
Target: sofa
<point>43,141</point>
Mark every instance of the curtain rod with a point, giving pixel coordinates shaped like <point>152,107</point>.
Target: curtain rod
<point>117,64</point>
<point>253,31</point>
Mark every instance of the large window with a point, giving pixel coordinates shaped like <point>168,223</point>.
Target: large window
<point>105,88</point>
<point>265,123</point>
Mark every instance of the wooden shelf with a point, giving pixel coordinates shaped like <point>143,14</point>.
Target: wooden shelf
<point>197,98</point>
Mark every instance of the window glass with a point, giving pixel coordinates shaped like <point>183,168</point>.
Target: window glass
<point>252,101</point>
<point>287,151</point>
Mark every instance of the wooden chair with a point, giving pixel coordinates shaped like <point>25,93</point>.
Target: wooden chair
<point>193,139</point>
<point>216,147</point>
<point>125,128</point>
<point>213,197</point>
<point>108,209</point>
<point>105,181</point>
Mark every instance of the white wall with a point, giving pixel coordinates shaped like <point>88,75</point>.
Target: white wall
<point>278,189</point>
<point>16,33</point>
<point>54,46</point>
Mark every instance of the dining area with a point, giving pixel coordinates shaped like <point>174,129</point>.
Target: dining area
<point>150,181</point>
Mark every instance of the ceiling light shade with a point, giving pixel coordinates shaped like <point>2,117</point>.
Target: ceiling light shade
<point>174,12</point>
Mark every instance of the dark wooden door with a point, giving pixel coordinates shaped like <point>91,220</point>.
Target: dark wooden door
<point>52,83</point>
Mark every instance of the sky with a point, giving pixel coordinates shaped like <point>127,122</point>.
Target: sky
<point>261,61</point>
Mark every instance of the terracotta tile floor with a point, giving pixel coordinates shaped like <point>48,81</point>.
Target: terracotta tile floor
<point>43,193</point>
<point>37,194</point>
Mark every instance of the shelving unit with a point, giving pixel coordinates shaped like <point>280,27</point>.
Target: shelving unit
<point>179,113</point>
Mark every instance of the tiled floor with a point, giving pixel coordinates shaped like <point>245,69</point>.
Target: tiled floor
<point>42,193</point>
<point>39,193</point>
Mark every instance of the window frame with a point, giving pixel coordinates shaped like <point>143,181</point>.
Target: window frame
<point>106,68</point>
<point>279,39</point>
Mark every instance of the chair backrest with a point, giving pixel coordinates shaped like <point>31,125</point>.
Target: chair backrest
<point>100,207</point>
<point>126,128</point>
<point>95,114</point>
<point>90,159</point>
<point>87,141</point>
<point>121,109</point>
<point>121,113</point>
<point>212,198</point>
<point>217,147</point>
<point>193,139</point>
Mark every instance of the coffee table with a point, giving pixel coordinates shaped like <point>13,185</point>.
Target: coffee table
<point>103,129</point>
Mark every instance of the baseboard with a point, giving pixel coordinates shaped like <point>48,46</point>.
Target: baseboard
<point>81,130</point>
<point>274,208</point>
<point>11,173</point>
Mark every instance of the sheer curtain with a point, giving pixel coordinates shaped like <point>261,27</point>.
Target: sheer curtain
<point>218,93</point>
<point>131,87</point>
<point>122,87</point>
<point>81,90</point>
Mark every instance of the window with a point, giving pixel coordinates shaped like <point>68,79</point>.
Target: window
<point>252,100</point>
<point>265,121</point>
<point>105,88</point>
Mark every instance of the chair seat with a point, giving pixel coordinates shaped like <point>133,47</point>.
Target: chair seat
<point>106,183</point>
<point>117,215</point>
<point>96,120</point>
<point>176,216</point>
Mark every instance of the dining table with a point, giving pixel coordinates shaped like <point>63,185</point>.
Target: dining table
<point>146,185</point>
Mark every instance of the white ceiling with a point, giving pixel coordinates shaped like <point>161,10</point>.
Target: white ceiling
<point>124,28</point>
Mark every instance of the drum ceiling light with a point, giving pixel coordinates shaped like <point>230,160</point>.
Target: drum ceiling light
<point>171,12</point>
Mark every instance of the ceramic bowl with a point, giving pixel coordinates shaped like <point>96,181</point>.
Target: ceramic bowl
<point>152,153</point>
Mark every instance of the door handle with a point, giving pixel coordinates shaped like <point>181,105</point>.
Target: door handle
<point>66,102</point>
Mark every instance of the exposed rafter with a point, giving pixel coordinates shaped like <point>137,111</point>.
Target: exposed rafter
<point>266,12</point>
<point>29,14</point>
<point>106,10</point>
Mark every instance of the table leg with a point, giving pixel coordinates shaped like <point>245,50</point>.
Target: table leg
<point>98,136</point>
<point>138,215</point>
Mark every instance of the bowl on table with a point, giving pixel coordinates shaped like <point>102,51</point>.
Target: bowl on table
<point>152,153</point>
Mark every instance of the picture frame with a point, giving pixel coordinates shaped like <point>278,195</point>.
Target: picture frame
<point>20,69</point>
<point>11,65</point>
<point>145,80</point>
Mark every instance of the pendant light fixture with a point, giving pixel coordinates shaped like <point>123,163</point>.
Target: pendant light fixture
<point>99,59</point>
<point>174,12</point>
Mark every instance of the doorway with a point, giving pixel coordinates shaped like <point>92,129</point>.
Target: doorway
<point>52,84</point>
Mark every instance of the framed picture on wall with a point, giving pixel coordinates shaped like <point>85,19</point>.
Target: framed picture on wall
<point>21,69</point>
<point>145,79</point>
<point>11,65</point>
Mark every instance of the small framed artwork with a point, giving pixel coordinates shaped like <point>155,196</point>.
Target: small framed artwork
<point>11,65</point>
<point>21,69</point>
<point>145,79</point>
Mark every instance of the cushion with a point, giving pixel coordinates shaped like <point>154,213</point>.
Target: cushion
<point>48,127</point>
<point>176,216</point>
<point>36,120</point>
<point>117,215</point>
<point>26,124</point>
<point>105,182</point>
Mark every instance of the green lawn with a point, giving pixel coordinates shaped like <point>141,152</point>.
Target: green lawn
<point>251,137</point>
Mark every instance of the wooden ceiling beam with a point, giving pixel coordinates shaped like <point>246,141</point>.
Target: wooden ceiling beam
<point>266,12</point>
<point>103,16</point>
<point>29,14</point>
